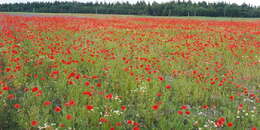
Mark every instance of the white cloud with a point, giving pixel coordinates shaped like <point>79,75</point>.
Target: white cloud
<point>252,2</point>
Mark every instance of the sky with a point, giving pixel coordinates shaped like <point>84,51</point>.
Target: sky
<point>251,2</point>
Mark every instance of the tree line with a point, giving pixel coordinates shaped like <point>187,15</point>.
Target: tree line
<point>173,8</point>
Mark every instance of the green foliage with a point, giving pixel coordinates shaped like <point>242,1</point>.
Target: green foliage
<point>173,8</point>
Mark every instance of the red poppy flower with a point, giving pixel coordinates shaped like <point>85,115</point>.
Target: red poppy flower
<point>68,117</point>
<point>123,108</point>
<point>136,128</point>
<point>71,82</point>
<point>159,94</point>
<point>229,124</point>
<point>231,98</point>
<point>187,112</point>
<point>136,124</point>
<point>17,106</point>
<point>34,123</point>
<point>220,122</point>
<point>6,88</point>
<point>252,95</point>
<point>8,69</point>
<point>168,86</point>
<point>155,107</point>
<point>129,122</point>
<point>205,106</point>
<point>109,96</point>
<point>77,76</point>
<point>10,96</point>
<point>70,103</point>
<point>212,83</point>
<point>87,83</point>
<point>87,93</point>
<point>39,93</point>
<point>180,112</point>
<point>89,107</point>
<point>47,103</point>
<point>35,89</point>
<point>240,106</point>
<point>99,84</point>
<point>184,107</point>
<point>118,123</point>
<point>160,78</point>
<point>57,109</point>
<point>26,89</point>
<point>61,125</point>
<point>72,74</point>
<point>103,120</point>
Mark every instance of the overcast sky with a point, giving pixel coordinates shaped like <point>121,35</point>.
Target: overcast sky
<point>252,2</point>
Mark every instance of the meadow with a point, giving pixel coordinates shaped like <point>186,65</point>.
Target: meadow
<point>116,72</point>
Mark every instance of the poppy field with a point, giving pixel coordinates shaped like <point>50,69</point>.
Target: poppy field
<point>128,73</point>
